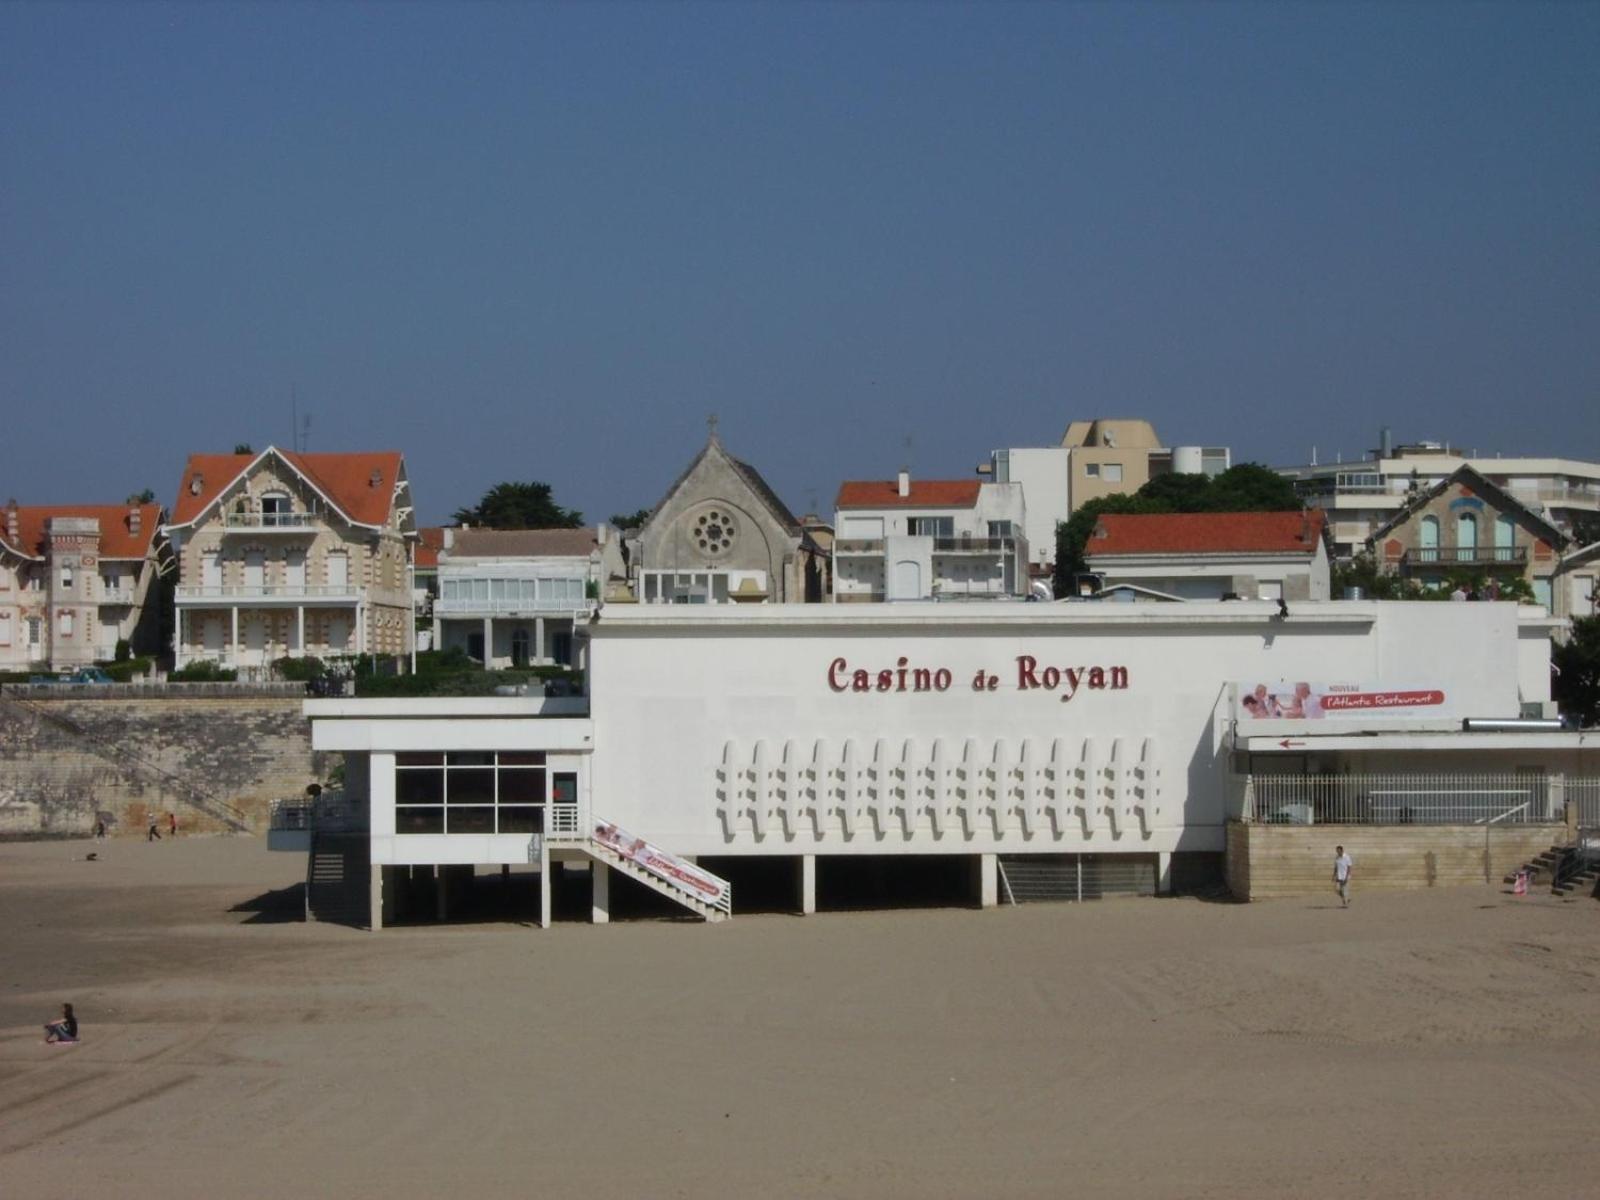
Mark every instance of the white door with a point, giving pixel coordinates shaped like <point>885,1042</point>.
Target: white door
<point>211,569</point>
<point>255,638</point>
<point>338,571</point>
<point>294,571</point>
<point>255,570</point>
<point>213,635</point>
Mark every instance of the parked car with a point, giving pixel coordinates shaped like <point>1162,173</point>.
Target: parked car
<point>81,675</point>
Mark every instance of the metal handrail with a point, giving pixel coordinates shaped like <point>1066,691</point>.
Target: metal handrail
<point>260,591</point>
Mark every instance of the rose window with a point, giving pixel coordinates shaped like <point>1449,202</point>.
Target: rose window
<point>714,531</point>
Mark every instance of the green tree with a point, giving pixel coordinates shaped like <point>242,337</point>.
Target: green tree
<point>519,506</point>
<point>242,448</point>
<point>1180,492</point>
<point>147,496</point>
<point>1576,687</point>
<point>1250,487</point>
<point>630,520</point>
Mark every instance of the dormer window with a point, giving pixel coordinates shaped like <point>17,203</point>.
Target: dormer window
<point>276,508</point>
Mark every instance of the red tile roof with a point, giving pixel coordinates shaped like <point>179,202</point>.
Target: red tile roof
<point>1207,533</point>
<point>430,540</point>
<point>117,539</point>
<point>924,493</point>
<point>346,479</point>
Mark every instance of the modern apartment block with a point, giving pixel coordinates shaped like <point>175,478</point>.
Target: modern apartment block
<point>1095,459</point>
<point>939,539</point>
<point>74,581</point>
<point>1360,496</point>
<point>283,554</point>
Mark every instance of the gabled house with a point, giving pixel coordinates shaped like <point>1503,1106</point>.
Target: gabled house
<point>75,579</point>
<point>1467,525</point>
<point>721,535</point>
<point>518,597</point>
<point>282,554</point>
<point>1210,556</point>
<point>929,539</point>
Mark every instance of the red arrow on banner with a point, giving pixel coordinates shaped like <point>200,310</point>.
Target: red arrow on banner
<point>1286,743</point>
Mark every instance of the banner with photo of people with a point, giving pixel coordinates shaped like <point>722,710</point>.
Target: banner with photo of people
<point>1311,701</point>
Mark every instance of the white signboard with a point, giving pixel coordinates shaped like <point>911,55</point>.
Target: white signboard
<point>1309,701</point>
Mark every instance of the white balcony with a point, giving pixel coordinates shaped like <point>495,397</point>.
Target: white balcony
<point>115,596</point>
<point>458,607</point>
<point>252,521</point>
<point>232,595</point>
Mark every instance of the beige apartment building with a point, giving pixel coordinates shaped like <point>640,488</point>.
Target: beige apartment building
<point>74,581</point>
<point>283,554</point>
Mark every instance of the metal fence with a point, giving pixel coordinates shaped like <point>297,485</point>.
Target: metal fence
<point>1584,795</point>
<point>1409,799</point>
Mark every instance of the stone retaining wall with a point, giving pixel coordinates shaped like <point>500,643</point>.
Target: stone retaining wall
<point>1269,861</point>
<point>65,762</point>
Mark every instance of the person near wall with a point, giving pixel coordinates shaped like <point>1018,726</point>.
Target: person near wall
<point>172,824</point>
<point>64,1030</point>
<point>1342,867</point>
<point>153,834</point>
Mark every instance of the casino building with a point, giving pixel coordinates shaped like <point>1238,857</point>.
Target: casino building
<point>806,756</point>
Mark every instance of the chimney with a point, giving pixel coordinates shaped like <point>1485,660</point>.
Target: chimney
<point>903,483</point>
<point>135,519</point>
<point>13,522</point>
<point>1385,443</point>
<point>600,531</point>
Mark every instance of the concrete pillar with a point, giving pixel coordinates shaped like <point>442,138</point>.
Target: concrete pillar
<point>544,884</point>
<point>539,654</point>
<point>808,884</point>
<point>600,912</point>
<point>488,643</point>
<point>233,648</point>
<point>300,628</point>
<point>988,880</point>
<point>376,900</point>
<point>1164,873</point>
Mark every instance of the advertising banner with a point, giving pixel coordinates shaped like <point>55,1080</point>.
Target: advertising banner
<point>658,862</point>
<point>1309,701</point>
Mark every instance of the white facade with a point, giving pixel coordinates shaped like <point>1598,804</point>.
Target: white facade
<point>1044,475</point>
<point>801,733</point>
<point>1212,576</point>
<point>940,551</point>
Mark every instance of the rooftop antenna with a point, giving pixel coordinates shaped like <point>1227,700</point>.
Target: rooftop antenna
<point>711,427</point>
<point>305,432</point>
<point>294,416</point>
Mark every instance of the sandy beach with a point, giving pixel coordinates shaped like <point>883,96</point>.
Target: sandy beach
<point>1439,1043</point>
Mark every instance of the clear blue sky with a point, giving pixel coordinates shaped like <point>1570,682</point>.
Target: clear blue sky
<point>524,241</point>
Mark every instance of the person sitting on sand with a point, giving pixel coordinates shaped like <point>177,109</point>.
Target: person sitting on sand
<point>64,1030</point>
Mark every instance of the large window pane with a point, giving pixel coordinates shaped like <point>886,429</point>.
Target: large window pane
<point>566,787</point>
<point>419,820</point>
<point>524,786</point>
<point>472,785</point>
<point>521,818</point>
<point>472,758</point>
<point>522,758</point>
<point>419,758</point>
<point>419,786</point>
<point>470,820</point>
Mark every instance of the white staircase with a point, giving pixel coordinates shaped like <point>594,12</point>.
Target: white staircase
<point>698,890</point>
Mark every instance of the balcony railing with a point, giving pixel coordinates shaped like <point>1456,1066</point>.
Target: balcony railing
<point>1420,799</point>
<point>115,596</point>
<point>260,522</point>
<point>329,812</point>
<point>457,607</point>
<point>1462,556</point>
<point>269,591</point>
<point>858,546</point>
<point>974,545</point>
